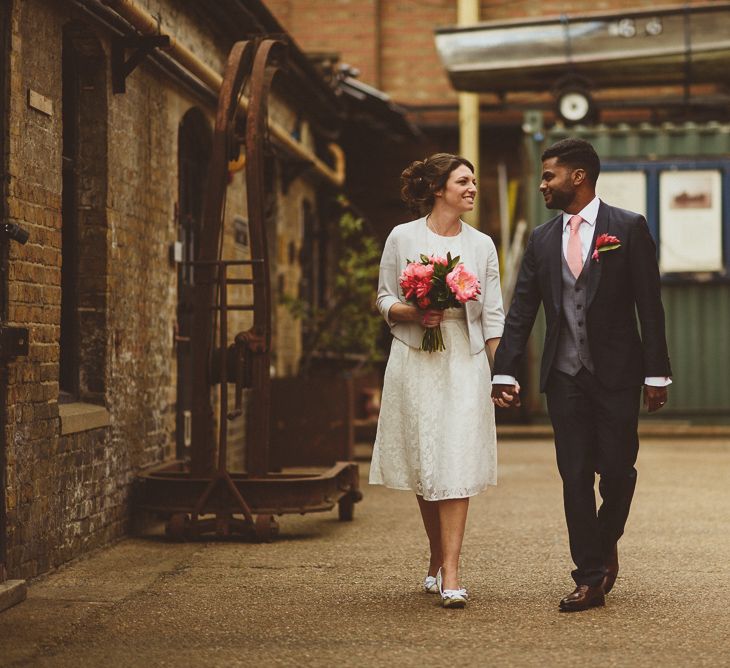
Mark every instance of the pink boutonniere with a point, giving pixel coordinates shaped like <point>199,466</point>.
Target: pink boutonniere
<point>604,243</point>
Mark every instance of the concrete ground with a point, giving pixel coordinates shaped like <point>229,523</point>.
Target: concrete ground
<point>328,593</point>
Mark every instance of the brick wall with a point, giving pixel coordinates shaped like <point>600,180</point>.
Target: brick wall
<point>410,70</point>
<point>394,48</point>
<point>494,11</point>
<point>69,493</point>
<point>404,65</point>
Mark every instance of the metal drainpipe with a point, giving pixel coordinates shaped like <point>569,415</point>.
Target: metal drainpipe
<point>148,25</point>
<point>468,14</point>
<point>3,457</point>
<point>3,426</point>
<point>4,101</point>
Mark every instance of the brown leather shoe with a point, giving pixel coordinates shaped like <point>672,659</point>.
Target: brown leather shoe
<point>584,597</point>
<point>611,566</point>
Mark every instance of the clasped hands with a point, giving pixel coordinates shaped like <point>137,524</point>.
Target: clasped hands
<point>654,397</point>
<point>505,396</point>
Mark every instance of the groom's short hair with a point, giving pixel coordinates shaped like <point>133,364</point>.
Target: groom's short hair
<point>576,153</point>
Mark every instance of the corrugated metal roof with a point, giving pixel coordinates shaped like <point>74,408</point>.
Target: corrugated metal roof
<point>663,45</point>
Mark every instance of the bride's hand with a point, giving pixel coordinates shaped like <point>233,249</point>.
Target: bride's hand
<point>431,318</point>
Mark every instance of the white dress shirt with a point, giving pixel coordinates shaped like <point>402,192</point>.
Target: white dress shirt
<point>589,213</point>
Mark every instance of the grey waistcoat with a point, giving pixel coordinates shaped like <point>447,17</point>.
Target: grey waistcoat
<point>573,352</point>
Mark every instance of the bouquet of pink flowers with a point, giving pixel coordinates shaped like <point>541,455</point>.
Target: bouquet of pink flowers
<point>437,283</point>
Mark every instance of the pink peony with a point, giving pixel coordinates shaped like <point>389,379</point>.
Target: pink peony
<point>463,284</point>
<point>416,280</point>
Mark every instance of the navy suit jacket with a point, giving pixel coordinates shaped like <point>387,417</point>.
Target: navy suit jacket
<point>622,284</point>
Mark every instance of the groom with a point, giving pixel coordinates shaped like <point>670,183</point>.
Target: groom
<point>593,268</point>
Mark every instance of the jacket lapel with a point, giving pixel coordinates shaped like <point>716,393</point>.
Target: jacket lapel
<point>594,276</point>
<point>555,260</point>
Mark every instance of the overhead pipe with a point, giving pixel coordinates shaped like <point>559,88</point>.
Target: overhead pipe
<point>149,25</point>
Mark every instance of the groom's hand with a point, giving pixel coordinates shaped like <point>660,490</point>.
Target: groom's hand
<point>654,397</point>
<point>505,396</point>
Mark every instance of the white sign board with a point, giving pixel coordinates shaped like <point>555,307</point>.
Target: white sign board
<point>690,215</point>
<point>626,190</point>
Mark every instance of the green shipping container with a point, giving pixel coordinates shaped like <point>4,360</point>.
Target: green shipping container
<point>696,299</point>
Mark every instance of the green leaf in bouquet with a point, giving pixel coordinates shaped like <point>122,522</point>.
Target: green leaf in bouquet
<point>424,259</point>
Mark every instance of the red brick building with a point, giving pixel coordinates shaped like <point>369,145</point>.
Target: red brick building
<point>651,128</point>
<point>392,45</point>
<point>108,186</point>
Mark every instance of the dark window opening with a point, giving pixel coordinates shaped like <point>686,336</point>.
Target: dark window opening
<point>194,148</point>
<point>84,260</point>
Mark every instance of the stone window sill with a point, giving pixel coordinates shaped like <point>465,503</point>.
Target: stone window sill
<point>78,416</point>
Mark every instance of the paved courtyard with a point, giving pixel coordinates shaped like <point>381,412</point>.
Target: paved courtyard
<point>328,593</point>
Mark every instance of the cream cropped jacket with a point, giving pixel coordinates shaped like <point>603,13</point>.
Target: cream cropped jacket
<point>484,317</point>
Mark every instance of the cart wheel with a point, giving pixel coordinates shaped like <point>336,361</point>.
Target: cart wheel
<point>176,527</point>
<point>346,507</point>
<point>267,528</point>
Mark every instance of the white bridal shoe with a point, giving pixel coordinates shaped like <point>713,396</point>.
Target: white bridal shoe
<point>430,586</point>
<point>451,598</point>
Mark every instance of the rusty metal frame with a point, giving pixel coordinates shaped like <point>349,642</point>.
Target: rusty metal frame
<point>225,142</point>
<point>191,494</point>
<point>264,68</point>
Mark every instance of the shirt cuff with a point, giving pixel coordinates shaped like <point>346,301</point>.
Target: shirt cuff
<point>504,380</point>
<point>657,381</point>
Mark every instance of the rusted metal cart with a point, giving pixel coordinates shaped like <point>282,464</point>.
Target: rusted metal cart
<point>203,496</point>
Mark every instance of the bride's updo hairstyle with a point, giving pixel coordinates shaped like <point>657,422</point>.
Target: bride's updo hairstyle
<point>422,178</point>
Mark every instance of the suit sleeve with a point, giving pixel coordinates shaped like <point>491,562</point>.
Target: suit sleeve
<point>647,294</point>
<point>388,289</point>
<point>521,316</point>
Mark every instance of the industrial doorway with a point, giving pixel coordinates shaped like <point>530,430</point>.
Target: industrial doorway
<point>194,147</point>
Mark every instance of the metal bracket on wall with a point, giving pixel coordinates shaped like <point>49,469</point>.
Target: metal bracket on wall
<point>13,342</point>
<point>141,46</point>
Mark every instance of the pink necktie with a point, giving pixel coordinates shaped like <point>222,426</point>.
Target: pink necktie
<point>573,255</point>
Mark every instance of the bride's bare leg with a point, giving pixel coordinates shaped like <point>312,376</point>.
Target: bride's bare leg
<point>452,516</point>
<point>432,524</point>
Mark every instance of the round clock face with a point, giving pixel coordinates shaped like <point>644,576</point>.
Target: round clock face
<point>574,106</point>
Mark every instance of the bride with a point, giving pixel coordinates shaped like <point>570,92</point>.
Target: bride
<point>436,433</point>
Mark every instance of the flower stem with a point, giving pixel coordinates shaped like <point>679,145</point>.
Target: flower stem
<point>433,340</point>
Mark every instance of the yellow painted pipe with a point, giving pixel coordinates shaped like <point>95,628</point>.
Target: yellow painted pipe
<point>468,14</point>
<point>148,25</point>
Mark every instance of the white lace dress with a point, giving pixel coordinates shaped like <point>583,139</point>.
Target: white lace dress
<point>436,433</point>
